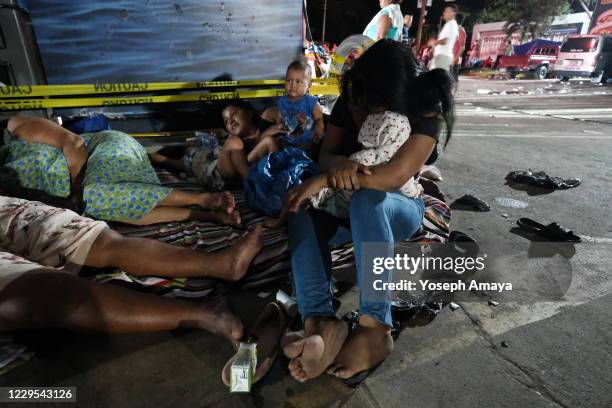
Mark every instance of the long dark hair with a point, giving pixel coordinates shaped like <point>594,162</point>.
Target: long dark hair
<point>11,186</point>
<point>387,76</point>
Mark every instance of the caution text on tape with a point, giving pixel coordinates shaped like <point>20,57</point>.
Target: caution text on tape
<point>27,104</point>
<point>28,91</point>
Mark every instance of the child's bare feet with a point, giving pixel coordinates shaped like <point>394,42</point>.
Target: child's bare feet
<point>223,201</point>
<point>241,254</point>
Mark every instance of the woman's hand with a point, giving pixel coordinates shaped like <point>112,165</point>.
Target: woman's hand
<point>300,193</point>
<point>342,173</point>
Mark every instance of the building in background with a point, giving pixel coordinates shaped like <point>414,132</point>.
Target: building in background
<point>492,38</point>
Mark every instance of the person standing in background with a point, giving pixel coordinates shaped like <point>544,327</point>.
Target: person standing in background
<point>387,23</point>
<point>458,49</point>
<point>406,29</point>
<point>443,51</point>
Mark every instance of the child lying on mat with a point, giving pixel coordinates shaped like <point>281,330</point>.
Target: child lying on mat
<point>299,113</point>
<point>217,167</point>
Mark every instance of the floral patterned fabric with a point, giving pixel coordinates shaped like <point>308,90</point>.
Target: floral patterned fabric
<point>119,184</point>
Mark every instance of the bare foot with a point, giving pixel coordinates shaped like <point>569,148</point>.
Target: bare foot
<point>218,319</point>
<point>311,355</point>
<point>232,219</point>
<point>223,201</point>
<point>241,254</point>
<point>364,348</point>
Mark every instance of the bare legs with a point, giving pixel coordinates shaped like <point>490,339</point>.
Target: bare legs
<point>150,257</point>
<point>234,161</point>
<point>175,208</point>
<point>167,162</point>
<point>74,303</point>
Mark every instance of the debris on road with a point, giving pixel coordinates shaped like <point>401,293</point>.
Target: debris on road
<point>510,202</point>
<point>493,303</point>
<point>483,91</point>
<point>505,344</point>
<point>505,215</point>
<point>453,306</point>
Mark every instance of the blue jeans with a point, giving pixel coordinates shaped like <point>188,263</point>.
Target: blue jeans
<point>375,216</point>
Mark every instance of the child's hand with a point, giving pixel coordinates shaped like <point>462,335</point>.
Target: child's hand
<point>274,130</point>
<point>301,117</point>
<point>300,193</point>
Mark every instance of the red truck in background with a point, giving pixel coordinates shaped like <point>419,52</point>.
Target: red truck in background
<point>536,59</point>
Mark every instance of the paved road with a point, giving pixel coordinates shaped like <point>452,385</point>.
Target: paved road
<point>558,354</point>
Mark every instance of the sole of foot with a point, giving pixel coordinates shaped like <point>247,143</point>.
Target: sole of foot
<point>311,355</point>
<point>365,348</point>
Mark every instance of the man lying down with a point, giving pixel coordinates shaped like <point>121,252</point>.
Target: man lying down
<point>41,248</point>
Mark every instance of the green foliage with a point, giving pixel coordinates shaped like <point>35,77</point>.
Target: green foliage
<point>525,16</point>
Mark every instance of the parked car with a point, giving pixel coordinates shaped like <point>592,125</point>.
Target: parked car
<point>586,55</point>
<point>536,59</point>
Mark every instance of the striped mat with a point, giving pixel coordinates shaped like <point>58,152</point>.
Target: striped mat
<point>271,264</point>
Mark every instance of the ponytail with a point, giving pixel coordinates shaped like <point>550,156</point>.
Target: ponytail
<point>432,92</point>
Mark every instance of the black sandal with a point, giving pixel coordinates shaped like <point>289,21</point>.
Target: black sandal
<point>473,202</point>
<point>552,231</point>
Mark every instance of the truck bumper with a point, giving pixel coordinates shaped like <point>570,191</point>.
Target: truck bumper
<point>570,74</point>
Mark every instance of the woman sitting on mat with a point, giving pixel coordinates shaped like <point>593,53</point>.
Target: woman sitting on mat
<point>384,83</point>
<point>39,287</point>
<point>107,172</point>
<point>218,167</point>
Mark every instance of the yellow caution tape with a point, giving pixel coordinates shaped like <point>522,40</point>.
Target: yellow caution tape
<point>28,91</point>
<point>25,104</point>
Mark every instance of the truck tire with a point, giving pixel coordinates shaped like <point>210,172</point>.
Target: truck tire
<point>601,77</point>
<point>541,72</point>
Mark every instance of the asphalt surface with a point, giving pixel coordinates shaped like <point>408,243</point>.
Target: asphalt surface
<point>554,354</point>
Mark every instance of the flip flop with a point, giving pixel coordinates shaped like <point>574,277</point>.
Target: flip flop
<point>266,332</point>
<point>473,202</point>
<point>552,231</point>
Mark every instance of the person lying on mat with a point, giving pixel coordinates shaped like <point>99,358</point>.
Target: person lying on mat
<point>107,174</point>
<point>217,167</point>
<point>384,79</point>
<point>43,247</point>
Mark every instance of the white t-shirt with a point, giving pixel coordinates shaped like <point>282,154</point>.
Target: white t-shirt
<point>450,31</point>
<point>392,11</point>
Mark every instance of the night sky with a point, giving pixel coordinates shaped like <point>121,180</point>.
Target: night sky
<point>346,17</point>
